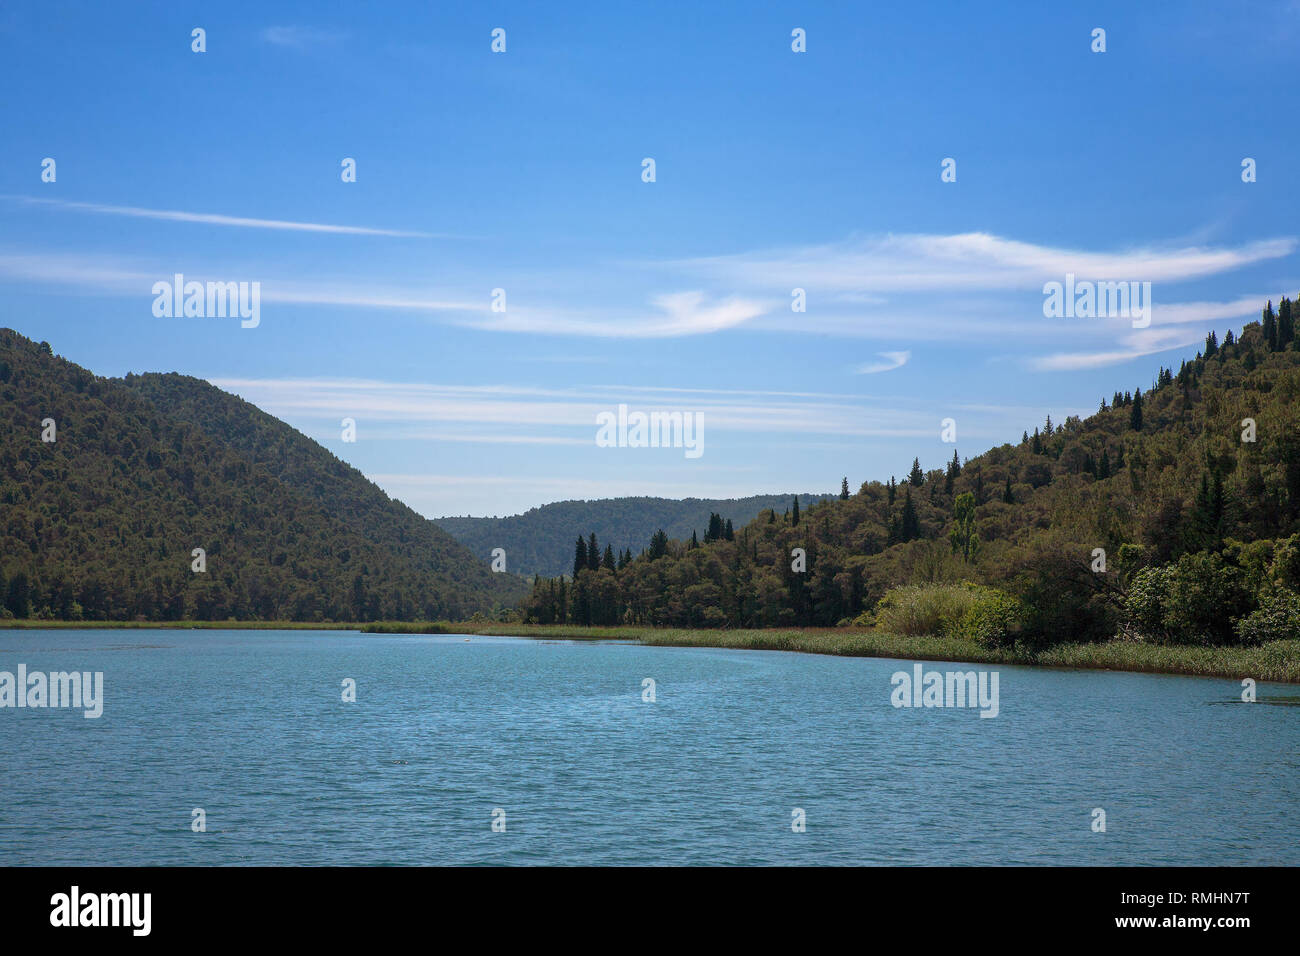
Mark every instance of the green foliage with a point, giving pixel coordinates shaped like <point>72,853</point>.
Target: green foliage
<point>963,536</point>
<point>994,620</point>
<point>1193,601</point>
<point>1276,619</point>
<point>101,523</point>
<point>934,609</point>
<point>1198,523</point>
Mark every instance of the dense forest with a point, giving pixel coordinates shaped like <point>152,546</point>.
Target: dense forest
<point>540,541</point>
<point>101,522</point>
<point>1170,515</point>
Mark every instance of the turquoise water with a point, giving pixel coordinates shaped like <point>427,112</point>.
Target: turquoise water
<point>250,727</point>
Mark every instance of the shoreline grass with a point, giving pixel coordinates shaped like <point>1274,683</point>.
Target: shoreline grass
<point>1278,661</point>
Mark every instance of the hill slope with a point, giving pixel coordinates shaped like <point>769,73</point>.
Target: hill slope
<point>101,522</point>
<point>540,541</point>
<point>1196,509</point>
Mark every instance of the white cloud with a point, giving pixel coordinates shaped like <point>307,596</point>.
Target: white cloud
<point>975,260</point>
<point>892,361</point>
<point>299,37</point>
<point>677,314</point>
<point>217,219</point>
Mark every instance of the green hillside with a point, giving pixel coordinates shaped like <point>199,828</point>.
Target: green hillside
<point>540,541</point>
<point>1200,529</point>
<point>101,523</point>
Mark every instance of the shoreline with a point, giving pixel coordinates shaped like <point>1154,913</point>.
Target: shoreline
<point>1278,662</point>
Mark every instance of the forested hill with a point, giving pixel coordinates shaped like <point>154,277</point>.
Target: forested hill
<point>1172,514</point>
<point>540,541</point>
<point>102,522</point>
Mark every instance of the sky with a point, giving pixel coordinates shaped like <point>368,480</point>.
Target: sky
<point>524,171</point>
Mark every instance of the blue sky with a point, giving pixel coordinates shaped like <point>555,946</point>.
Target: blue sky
<point>522,171</point>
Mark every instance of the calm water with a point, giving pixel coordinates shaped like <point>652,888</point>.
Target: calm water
<point>250,726</point>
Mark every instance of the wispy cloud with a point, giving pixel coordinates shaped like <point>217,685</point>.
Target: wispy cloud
<point>974,260</point>
<point>300,37</point>
<point>494,411</point>
<point>1138,345</point>
<point>892,360</point>
<point>1164,334</point>
<point>218,219</point>
<point>674,314</point>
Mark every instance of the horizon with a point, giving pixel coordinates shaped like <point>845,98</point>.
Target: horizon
<point>523,171</point>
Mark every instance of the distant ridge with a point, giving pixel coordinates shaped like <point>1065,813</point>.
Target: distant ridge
<point>540,541</point>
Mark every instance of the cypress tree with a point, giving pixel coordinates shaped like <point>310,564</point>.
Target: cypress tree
<point>593,553</point>
<point>1007,496</point>
<point>795,512</point>
<point>844,489</point>
<point>1135,416</point>
<point>579,557</point>
<point>911,525</point>
<point>608,560</point>
<point>916,476</point>
<point>658,544</point>
<point>1269,323</point>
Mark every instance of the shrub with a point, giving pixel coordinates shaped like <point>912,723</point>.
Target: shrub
<point>1206,594</point>
<point>1143,605</point>
<point>1193,601</point>
<point>994,620</point>
<point>1276,619</point>
<point>919,609</point>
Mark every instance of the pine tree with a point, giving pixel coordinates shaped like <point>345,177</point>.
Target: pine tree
<point>1135,415</point>
<point>891,491</point>
<point>593,553</point>
<point>608,561</point>
<point>844,489</point>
